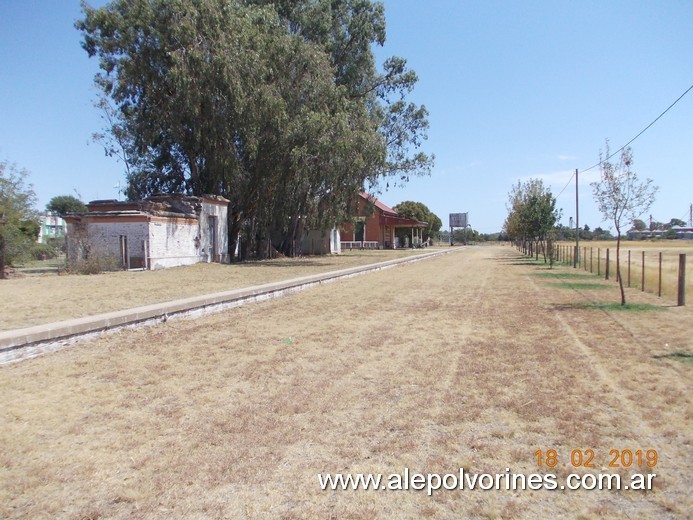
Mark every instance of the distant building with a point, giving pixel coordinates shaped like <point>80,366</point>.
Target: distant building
<point>158,232</point>
<point>679,231</point>
<point>376,225</point>
<point>52,225</point>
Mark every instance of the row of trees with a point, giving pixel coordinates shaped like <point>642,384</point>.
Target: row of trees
<point>620,195</point>
<point>532,217</point>
<point>639,225</point>
<point>276,105</point>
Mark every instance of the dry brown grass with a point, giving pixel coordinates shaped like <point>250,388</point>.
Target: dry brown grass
<point>46,298</point>
<point>670,250</point>
<point>467,360</point>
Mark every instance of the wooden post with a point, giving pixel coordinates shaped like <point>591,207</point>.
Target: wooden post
<point>659,287</point>
<point>591,264</point>
<point>599,261</point>
<point>682,280</point>
<point>577,224</point>
<point>606,269</point>
<point>584,258</point>
<point>642,281</point>
<point>629,268</point>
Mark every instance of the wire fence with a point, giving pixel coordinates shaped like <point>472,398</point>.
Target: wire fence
<point>658,272</point>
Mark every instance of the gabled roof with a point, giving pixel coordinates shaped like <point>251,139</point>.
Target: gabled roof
<point>390,217</point>
<point>383,207</point>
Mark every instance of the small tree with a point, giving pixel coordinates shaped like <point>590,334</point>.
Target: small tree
<point>18,220</point>
<point>639,225</point>
<point>63,204</point>
<point>532,216</point>
<point>676,222</point>
<point>622,197</point>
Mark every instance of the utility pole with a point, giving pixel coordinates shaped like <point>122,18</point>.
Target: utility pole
<point>690,216</point>
<point>576,256</point>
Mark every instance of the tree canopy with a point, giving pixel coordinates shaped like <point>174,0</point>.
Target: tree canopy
<point>64,204</point>
<point>419,211</point>
<point>18,219</point>
<point>277,106</point>
<point>532,214</point>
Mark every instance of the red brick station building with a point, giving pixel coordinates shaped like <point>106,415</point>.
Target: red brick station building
<point>375,227</point>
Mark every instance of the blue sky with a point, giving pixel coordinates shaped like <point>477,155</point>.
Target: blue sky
<point>515,89</point>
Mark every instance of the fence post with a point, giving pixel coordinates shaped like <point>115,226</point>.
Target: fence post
<point>659,289</point>
<point>584,258</point>
<point>629,268</point>
<point>606,269</point>
<point>576,256</point>
<point>682,280</point>
<point>591,251</point>
<point>599,261</point>
<point>642,282</point>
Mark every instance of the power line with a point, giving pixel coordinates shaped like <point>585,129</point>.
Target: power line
<point>625,145</point>
<point>566,185</point>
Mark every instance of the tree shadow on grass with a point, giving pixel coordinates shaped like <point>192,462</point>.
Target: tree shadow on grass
<point>579,285</point>
<point>560,275</point>
<point>685,357</point>
<point>518,260</point>
<point>605,306</point>
<point>275,262</point>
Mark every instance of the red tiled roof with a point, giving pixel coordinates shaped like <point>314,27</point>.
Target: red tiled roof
<point>378,204</point>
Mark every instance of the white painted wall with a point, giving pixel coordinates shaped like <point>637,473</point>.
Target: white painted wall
<point>164,242</point>
<point>172,243</point>
<point>222,247</point>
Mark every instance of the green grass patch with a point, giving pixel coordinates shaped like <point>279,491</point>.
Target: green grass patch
<point>560,275</point>
<point>685,357</point>
<point>578,285</point>
<point>615,306</point>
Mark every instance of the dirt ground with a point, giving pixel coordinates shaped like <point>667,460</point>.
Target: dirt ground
<point>33,300</point>
<point>473,360</point>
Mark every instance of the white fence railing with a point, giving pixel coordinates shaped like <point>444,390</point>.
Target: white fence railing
<point>365,244</point>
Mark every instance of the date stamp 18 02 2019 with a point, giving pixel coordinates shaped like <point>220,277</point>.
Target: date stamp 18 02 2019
<point>589,458</point>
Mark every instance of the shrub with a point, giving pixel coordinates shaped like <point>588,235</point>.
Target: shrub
<point>43,251</point>
<point>95,264</point>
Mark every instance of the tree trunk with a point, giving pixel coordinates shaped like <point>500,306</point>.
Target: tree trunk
<point>543,249</point>
<point>2,256</point>
<point>618,266</point>
<point>234,226</point>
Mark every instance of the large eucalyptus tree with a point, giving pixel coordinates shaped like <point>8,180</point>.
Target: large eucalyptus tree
<point>277,106</point>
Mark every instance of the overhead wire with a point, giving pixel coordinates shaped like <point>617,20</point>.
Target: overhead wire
<point>629,142</point>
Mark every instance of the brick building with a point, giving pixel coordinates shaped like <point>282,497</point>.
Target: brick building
<point>158,232</point>
<point>376,227</point>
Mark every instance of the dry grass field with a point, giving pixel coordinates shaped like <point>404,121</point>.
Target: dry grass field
<point>594,253</point>
<point>34,300</point>
<point>472,360</point>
